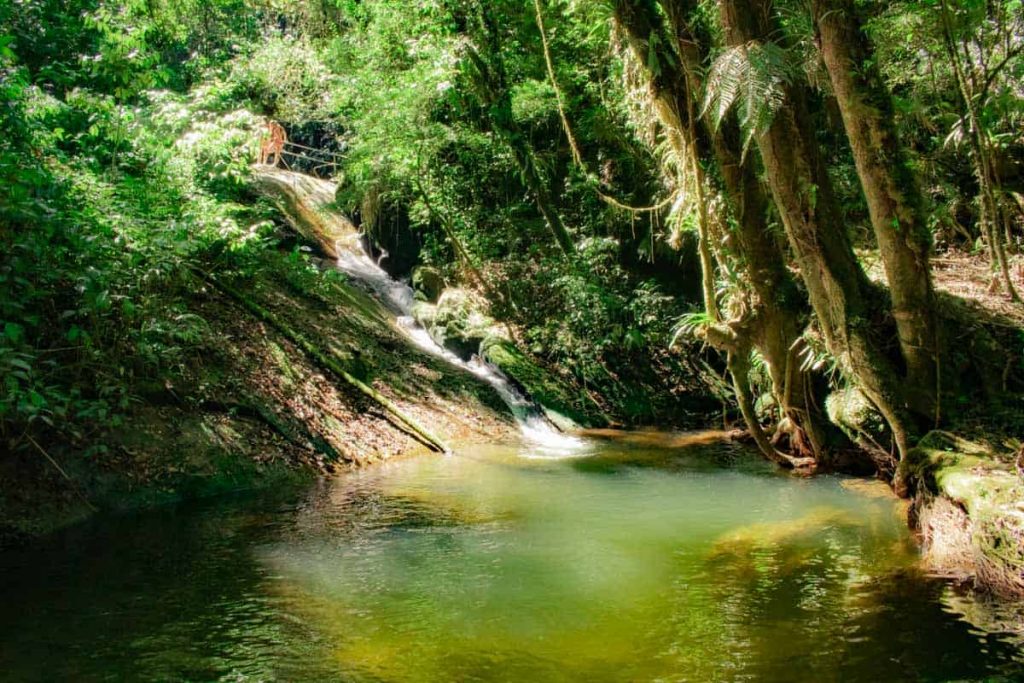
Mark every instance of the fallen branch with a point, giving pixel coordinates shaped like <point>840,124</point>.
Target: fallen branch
<point>293,433</point>
<point>64,474</point>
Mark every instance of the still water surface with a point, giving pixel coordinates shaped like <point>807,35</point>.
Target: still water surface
<point>632,561</point>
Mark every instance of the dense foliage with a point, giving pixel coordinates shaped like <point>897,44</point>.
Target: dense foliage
<point>657,197</point>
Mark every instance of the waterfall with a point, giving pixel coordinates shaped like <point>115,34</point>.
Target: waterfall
<point>544,438</point>
<point>307,203</point>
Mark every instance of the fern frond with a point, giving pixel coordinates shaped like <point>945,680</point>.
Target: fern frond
<point>724,79</point>
<point>751,78</point>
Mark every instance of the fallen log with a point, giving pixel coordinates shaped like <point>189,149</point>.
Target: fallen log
<point>329,363</point>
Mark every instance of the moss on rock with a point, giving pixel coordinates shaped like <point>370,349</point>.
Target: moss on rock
<point>950,470</point>
<point>459,325</point>
<point>852,412</point>
<point>428,283</point>
<point>565,406</point>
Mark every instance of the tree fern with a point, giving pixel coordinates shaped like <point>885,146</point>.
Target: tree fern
<point>751,78</point>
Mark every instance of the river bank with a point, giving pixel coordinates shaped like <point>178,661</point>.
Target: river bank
<point>253,409</point>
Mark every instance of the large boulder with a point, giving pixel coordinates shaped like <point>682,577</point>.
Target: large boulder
<point>458,323</point>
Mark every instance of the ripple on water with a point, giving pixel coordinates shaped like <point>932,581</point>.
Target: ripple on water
<point>655,557</point>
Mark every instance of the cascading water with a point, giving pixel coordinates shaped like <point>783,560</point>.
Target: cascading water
<point>545,439</point>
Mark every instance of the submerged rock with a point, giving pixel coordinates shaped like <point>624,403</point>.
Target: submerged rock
<point>744,540</point>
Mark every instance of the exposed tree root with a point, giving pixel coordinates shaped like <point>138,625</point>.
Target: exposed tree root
<point>56,465</point>
<point>291,431</point>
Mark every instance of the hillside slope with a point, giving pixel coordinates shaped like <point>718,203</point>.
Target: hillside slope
<point>253,408</point>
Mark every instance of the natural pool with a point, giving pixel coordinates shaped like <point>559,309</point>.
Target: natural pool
<point>643,559</point>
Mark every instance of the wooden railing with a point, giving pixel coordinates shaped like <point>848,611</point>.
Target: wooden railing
<point>329,165</point>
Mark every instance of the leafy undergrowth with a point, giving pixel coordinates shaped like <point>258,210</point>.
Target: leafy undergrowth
<point>249,409</point>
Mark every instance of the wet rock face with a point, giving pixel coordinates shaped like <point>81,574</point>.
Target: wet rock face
<point>393,242</point>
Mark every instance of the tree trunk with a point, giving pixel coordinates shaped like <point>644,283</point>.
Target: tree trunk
<point>777,305</point>
<point>982,161</point>
<point>893,196</point>
<point>847,306</point>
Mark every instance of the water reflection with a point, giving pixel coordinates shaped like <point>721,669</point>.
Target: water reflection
<point>637,562</point>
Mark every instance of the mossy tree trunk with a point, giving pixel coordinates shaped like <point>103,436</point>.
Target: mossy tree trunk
<point>893,196</point>
<point>849,309</point>
<point>774,324</point>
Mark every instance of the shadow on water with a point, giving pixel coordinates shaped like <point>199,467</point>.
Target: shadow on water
<point>167,595</point>
<point>654,557</point>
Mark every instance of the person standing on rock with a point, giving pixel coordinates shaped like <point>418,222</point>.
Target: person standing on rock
<point>272,143</point>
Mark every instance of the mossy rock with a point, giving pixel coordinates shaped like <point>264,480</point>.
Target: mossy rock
<point>564,406</point>
<point>991,493</point>
<point>939,457</point>
<point>424,313</point>
<point>851,411</point>
<point>428,283</point>
<point>459,325</point>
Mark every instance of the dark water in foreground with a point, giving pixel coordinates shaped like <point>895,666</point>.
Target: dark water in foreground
<point>635,563</point>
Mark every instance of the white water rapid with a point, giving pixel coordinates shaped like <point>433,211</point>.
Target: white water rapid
<point>544,439</point>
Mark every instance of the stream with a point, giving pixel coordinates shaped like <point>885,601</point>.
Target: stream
<point>356,263</point>
<point>637,557</point>
<point>655,557</point>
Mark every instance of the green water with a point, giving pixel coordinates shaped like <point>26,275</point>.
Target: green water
<point>635,563</point>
